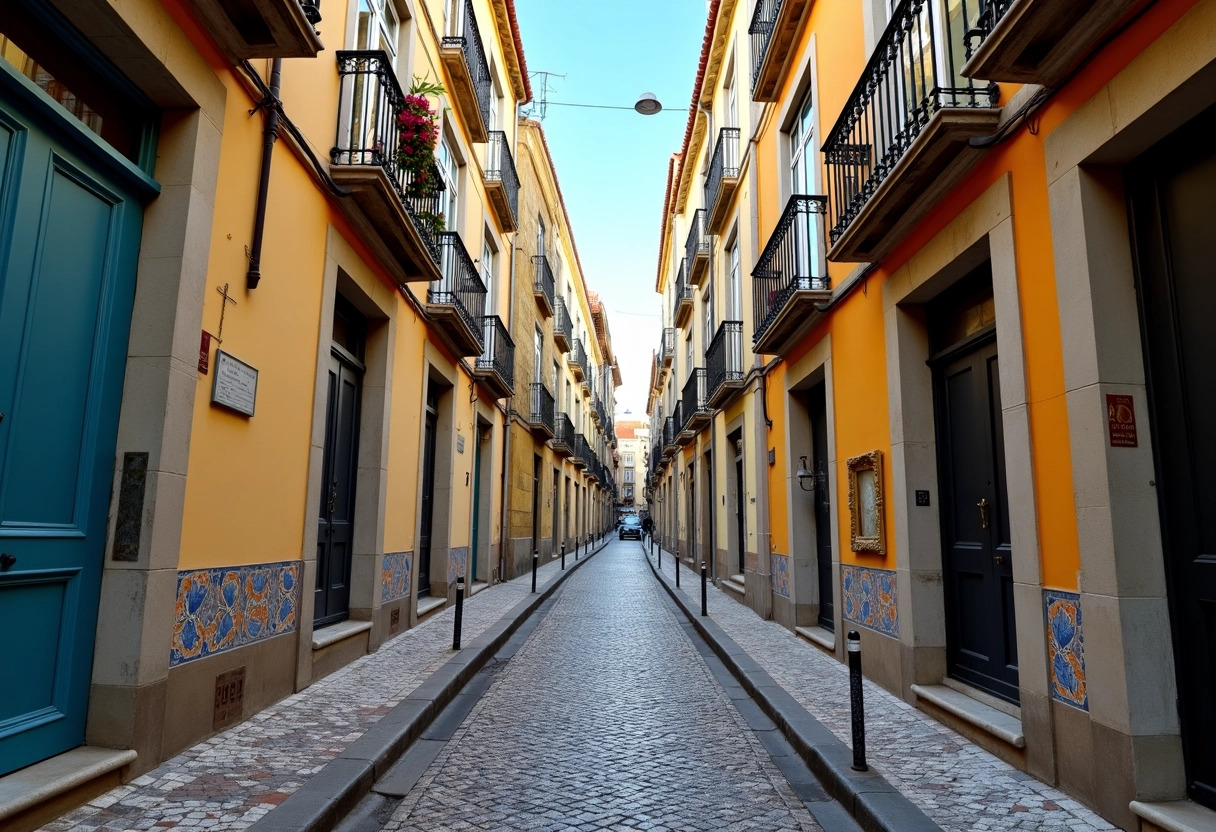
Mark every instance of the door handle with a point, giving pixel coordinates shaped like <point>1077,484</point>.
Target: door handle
<point>333,498</point>
<point>983,507</point>
<point>7,560</point>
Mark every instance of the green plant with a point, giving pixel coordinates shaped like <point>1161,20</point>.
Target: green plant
<point>418,133</point>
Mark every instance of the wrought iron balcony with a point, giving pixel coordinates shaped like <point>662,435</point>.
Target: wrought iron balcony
<point>671,427</point>
<point>790,278</point>
<point>393,209</point>
<point>695,405</point>
<point>266,29</point>
<point>495,367</point>
<point>577,360</point>
<point>580,453</point>
<point>563,436</point>
<point>542,285</point>
<point>722,179</point>
<point>456,302</point>
<point>681,297</point>
<point>724,363</point>
<point>774,36</point>
<point>540,410</point>
<point>667,349</point>
<point>697,249</point>
<point>1037,41</point>
<point>562,328</point>
<point>598,413</point>
<point>464,57</point>
<point>902,139</point>
<point>501,181</point>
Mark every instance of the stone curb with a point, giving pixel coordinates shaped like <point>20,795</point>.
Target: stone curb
<point>875,804</point>
<point>330,794</point>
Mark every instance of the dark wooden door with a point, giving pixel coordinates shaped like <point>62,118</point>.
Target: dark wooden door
<point>740,514</point>
<point>1172,192</point>
<point>335,531</point>
<point>981,644</point>
<point>479,437</point>
<point>427,520</point>
<point>536,503</point>
<point>817,407</point>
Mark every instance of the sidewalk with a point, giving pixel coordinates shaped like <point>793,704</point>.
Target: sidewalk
<point>231,780</point>
<point>959,785</point>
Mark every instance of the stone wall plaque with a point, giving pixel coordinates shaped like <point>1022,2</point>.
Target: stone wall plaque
<point>236,384</point>
<point>229,698</point>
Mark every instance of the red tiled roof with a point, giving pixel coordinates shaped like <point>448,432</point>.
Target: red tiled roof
<point>519,50</point>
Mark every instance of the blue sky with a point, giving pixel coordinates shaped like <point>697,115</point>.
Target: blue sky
<point>612,164</point>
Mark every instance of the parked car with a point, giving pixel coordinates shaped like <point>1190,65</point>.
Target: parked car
<point>630,526</point>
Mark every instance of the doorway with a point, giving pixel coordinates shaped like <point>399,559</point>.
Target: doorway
<point>1172,196</point>
<point>426,525</point>
<point>480,434</point>
<point>536,469</point>
<point>817,413</point>
<point>981,641</point>
<point>335,530</point>
<point>556,538</point>
<point>740,506</point>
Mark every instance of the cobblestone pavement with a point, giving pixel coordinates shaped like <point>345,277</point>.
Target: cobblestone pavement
<point>607,717</point>
<point>226,783</point>
<point>959,785</point>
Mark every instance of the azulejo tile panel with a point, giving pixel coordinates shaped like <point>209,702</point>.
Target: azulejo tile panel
<point>1066,648</point>
<point>869,598</point>
<point>781,574</point>
<point>457,556</point>
<point>226,607</point>
<point>395,576</point>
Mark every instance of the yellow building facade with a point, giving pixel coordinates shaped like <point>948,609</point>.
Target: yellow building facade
<point>960,419</point>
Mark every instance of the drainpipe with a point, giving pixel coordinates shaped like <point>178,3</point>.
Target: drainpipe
<point>270,135</point>
<point>506,443</point>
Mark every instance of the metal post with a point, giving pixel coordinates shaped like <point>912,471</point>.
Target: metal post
<point>704,598</point>
<point>660,557</point>
<point>563,556</point>
<point>459,613</point>
<point>856,704</point>
<point>535,563</point>
<point>677,572</point>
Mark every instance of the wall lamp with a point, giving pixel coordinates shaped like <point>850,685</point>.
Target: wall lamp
<point>805,476</point>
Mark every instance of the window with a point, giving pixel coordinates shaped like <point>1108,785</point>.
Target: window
<point>731,118</point>
<point>734,286</point>
<point>378,27</point>
<point>628,460</point>
<point>540,236</point>
<point>688,352</point>
<point>487,273</point>
<point>628,475</point>
<point>627,491</point>
<point>449,169</point>
<point>555,377</point>
<point>453,15</point>
<point>708,331</point>
<point>803,169</point>
<point>537,348</point>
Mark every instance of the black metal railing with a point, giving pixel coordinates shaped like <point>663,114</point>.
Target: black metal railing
<point>792,260</point>
<point>723,165</point>
<point>312,11</point>
<point>540,411</point>
<point>764,19</point>
<point>543,282</point>
<point>987,16</point>
<point>695,399</point>
<point>498,350</point>
<point>369,100</point>
<point>500,167</point>
<point>563,431</point>
<point>724,358</point>
<point>561,321</point>
<point>469,41</point>
<point>681,291</point>
<point>667,349</point>
<point>912,74</point>
<point>460,284</point>
<point>698,241</point>
<point>580,450</point>
<point>579,355</point>
<point>598,405</point>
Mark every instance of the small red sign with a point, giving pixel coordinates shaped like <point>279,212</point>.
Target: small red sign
<point>1121,421</point>
<point>204,353</point>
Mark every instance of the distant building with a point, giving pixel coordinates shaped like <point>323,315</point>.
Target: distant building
<point>633,440</point>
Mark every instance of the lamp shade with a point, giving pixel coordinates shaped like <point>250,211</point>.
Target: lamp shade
<point>648,104</point>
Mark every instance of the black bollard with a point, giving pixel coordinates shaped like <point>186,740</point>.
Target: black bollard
<point>535,563</point>
<point>563,556</point>
<point>459,613</point>
<point>660,557</point>
<point>856,704</point>
<point>704,598</point>
<point>677,573</point>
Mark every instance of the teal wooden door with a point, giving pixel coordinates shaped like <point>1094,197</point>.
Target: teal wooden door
<point>69,236</point>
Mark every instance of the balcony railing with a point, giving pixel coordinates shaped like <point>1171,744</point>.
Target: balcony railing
<point>667,348</point>
<point>724,360</point>
<point>722,178</point>
<point>502,182</point>
<point>459,289</point>
<point>578,360</point>
<point>562,328</point>
<point>764,18</point>
<point>367,138</point>
<point>697,248</point>
<point>695,401</point>
<point>791,264</point>
<point>496,364</point>
<point>542,284</point>
<point>579,452</point>
<point>470,74</point>
<point>540,411</point>
<point>563,434</point>
<point>681,308</point>
<point>912,76</point>
<point>266,29</point>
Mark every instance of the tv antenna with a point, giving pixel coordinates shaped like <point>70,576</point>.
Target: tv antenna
<point>540,101</point>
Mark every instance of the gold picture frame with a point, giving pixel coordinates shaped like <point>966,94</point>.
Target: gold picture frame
<point>866,521</point>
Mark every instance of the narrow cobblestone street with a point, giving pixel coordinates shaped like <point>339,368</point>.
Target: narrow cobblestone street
<point>606,718</point>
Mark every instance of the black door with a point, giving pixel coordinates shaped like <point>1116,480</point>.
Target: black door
<point>536,503</point>
<point>692,514</point>
<point>427,521</point>
<point>1172,192</point>
<point>817,407</point>
<point>981,644</point>
<point>740,514</point>
<point>335,531</point>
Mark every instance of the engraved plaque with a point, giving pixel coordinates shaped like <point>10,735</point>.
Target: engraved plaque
<point>236,384</point>
<point>229,698</point>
